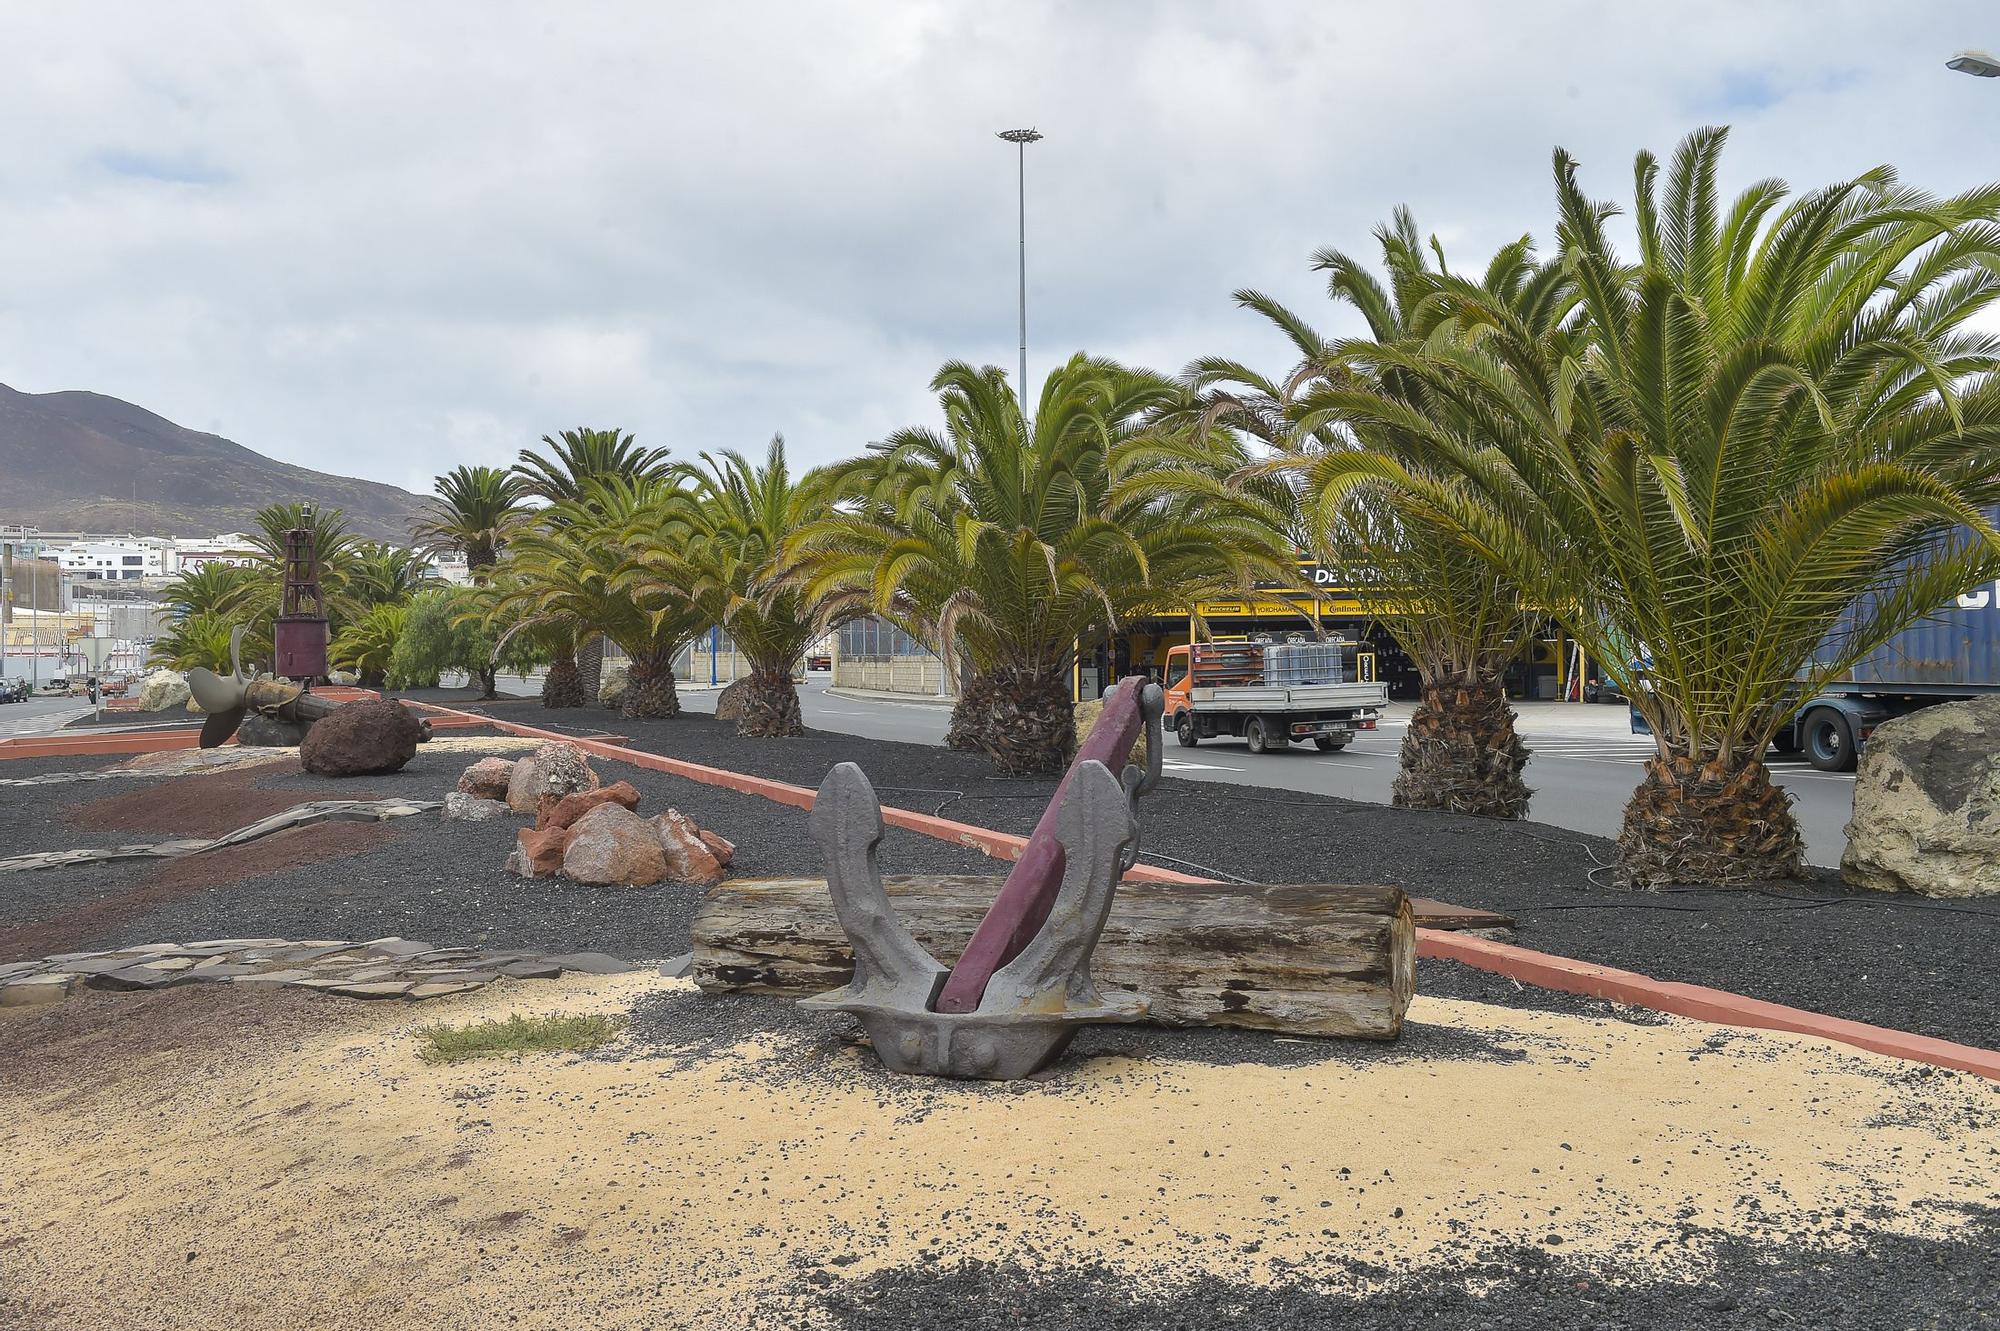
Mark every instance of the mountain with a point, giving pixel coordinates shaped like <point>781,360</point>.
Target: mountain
<point>83,461</point>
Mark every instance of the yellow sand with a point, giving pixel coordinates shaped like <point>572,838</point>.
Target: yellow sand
<point>339,1182</point>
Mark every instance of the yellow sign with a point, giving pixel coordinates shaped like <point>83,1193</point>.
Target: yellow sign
<point>1274,609</point>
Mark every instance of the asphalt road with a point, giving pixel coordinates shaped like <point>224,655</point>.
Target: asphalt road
<point>1585,764</point>
<point>39,716</point>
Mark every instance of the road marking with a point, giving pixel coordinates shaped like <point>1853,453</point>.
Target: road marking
<point>1183,765</point>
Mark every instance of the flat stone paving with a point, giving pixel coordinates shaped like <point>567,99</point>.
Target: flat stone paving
<point>380,968</point>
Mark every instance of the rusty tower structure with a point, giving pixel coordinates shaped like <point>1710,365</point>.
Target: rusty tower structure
<point>299,637</point>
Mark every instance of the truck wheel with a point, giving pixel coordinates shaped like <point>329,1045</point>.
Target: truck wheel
<point>1257,734</point>
<point>1328,744</point>
<point>1829,741</point>
<point>1185,732</point>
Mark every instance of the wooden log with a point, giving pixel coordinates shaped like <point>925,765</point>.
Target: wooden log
<point>1307,960</point>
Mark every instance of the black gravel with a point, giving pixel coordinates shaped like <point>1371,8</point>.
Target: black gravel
<point>1886,959</point>
<point>1889,960</point>
<point>1874,1281</point>
<point>33,818</point>
<point>439,881</point>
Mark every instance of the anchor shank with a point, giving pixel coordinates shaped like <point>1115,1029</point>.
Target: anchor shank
<point>1023,904</point>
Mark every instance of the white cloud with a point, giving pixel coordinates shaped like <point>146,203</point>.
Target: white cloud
<point>388,239</point>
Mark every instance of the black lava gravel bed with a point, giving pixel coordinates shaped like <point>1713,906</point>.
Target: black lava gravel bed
<point>439,881</point>
<point>1880,1282</point>
<point>1875,957</point>
<point>35,817</point>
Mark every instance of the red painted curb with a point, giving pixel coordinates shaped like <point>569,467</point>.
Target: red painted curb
<point>1545,970</point>
<point>116,741</point>
<point>1548,971</point>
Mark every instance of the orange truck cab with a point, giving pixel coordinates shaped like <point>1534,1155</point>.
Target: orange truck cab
<point>1272,694</point>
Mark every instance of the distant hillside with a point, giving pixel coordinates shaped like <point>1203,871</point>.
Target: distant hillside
<point>72,461</point>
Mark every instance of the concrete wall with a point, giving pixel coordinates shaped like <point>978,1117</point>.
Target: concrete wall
<point>889,674</point>
<point>729,665</point>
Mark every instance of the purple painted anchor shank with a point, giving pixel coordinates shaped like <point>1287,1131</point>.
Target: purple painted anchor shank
<point>1021,908</point>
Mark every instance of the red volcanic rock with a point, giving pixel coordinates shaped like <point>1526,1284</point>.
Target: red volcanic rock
<point>361,739</point>
<point>724,851</point>
<point>487,779</point>
<point>538,853</point>
<point>612,845</point>
<point>554,769</point>
<point>563,810</point>
<point>688,855</point>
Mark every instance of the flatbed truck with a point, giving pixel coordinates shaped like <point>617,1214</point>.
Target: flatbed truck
<point>1248,690</point>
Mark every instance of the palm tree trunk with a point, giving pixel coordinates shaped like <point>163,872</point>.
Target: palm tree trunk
<point>1692,821</point>
<point>1030,722</point>
<point>971,716</point>
<point>1461,753</point>
<point>650,690</point>
<point>590,666</point>
<point>770,705</point>
<point>563,687</point>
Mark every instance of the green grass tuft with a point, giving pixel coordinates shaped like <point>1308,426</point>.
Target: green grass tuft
<point>514,1036</point>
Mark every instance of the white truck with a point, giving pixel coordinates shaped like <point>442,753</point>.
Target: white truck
<point>1272,694</point>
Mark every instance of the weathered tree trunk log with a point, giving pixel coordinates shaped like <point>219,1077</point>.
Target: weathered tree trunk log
<point>1308,960</point>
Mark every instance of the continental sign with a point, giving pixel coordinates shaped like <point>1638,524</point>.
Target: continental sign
<point>1311,574</point>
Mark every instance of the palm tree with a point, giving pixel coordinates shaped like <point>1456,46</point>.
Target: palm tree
<point>1763,455</point>
<point>367,643</point>
<point>730,526</point>
<point>202,639</point>
<point>472,513</point>
<point>575,459</point>
<point>210,588</point>
<point>374,573</point>
<point>579,456</point>
<point>331,538</point>
<point>1004,542</point>
<point>1459,620</point>
<point>579,568</point>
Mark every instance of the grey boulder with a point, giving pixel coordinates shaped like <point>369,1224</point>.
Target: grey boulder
<point>461,807</point>
<point>1927,804</point>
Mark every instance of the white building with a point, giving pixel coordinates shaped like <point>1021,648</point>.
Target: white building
<point>116,558</point>
<point>191,552</point>
<point>453,569</point>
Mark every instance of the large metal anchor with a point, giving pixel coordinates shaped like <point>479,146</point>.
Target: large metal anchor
<point>1022,988</point>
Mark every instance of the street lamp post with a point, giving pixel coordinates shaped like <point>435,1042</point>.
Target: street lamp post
<point>1976,63</point>
<point>1021,138</point>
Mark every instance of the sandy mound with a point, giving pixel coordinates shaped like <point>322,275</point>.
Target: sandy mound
<point>298,1176</point>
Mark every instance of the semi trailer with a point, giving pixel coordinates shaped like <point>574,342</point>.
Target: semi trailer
<point>1952,655</point>
<point>1272,694</point>
<point>1948,656</point>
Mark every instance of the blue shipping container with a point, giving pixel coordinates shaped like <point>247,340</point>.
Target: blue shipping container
<point>1955,649</point>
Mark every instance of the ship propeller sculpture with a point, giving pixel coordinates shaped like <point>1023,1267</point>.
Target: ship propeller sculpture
<point>1022,988</point>
<point>227,700</point>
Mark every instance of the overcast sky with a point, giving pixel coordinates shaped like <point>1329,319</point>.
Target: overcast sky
<point>385,239</point>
